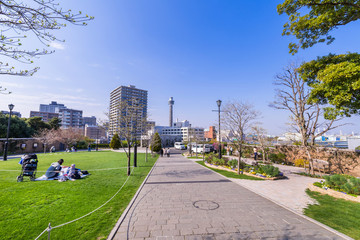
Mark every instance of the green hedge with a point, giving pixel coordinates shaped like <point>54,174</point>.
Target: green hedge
<point>343,183</point>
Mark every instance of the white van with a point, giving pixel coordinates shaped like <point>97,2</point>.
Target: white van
<point>179,145</point>
<point>199,148</point>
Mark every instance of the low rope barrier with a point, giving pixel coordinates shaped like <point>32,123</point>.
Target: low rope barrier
<point>103,169</point>
<point>49,228</point>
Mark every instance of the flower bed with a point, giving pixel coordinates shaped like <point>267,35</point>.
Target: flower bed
<point>340,185</point>
<point>333,193</point>
<point>251,173</point>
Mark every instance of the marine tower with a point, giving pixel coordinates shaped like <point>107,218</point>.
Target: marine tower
<point>171,103</point>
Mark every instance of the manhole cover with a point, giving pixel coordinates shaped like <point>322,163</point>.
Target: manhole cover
<point>206,205</point>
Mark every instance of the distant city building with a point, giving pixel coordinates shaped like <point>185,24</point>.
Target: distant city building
<point>13,113</point>
<point>45,116</point>
<point>180,132</point>
<point>126,93</point>
<point>95,132</point>
<point>353,142</point>
<point>53,107</point>
<point>149,125</point>
<point>70,118</point>
<point>89,121</point>
<point>210,133</point>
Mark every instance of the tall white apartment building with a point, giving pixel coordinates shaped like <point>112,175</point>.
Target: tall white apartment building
<point>125,93</point>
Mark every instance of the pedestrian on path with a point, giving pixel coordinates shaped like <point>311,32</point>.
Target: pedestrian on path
<point>161,152</point>
<point>255,153</point>
<point>168,152</point>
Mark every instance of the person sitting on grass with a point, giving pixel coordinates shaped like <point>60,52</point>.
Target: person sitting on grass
<point>54,169</point>
<point>72,173</point>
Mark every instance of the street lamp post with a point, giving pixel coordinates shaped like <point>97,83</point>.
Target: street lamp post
<point>219,104</point>
<point>11,107</point>
<point>97,137</point>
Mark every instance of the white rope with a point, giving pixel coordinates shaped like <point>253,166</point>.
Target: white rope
<point>89,212</point>
<point>46,229</point>
<point>104,169</point>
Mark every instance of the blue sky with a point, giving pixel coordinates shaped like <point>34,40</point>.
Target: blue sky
<point>197,51</point>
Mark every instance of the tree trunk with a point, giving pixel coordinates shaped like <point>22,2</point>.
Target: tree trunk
<point>239,159</point>
<point>311,163</point>
<point>129,157</point>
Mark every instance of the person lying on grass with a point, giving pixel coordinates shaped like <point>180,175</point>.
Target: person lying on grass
<point>54,169</point>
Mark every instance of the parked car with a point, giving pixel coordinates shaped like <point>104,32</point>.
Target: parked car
<point>179,145</point>
<point>200,148</point>
<point>210,146</point>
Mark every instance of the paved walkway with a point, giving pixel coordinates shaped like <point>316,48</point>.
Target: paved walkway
<point>289,192</point>
<point>183,200</point>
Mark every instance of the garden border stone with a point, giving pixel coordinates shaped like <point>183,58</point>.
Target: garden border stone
<point>334,193</point>
<point>245,173</point>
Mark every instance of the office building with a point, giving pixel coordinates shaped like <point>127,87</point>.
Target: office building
<point>128,95</point>
<point>95,132</point>
<point>180,132</point>
<point>89,121</point>
<point>70,118</point>
<point>45,116</point>
<point>210,134</point>
<point>53,107</point>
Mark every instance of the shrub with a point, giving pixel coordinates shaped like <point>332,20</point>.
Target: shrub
<point>232,163</point>
<point>273,157</point>
<point>300,162</point>
<point>217,161</point>
<point>100,145</point>
<point>344,183</point>
<point>115,142</point>
<point>156,143</point>
<point>209,157</point>
<point>270,170</point>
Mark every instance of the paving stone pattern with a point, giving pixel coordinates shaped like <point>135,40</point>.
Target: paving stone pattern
<point>183,200</point>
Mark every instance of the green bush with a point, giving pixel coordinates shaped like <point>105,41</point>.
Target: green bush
<point>115,142</point>
<point>270,170</point>
<point>273,157</point>
<point>232,163</point>
<point>344,183</point>
<point>156,143</point>
<point>100,145</point>
<point>217,161</point>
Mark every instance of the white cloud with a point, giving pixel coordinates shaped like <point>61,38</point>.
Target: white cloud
<point>57,45</point>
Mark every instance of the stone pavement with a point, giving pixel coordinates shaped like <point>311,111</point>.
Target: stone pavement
<point>289,192</point>
<point>183,200</point>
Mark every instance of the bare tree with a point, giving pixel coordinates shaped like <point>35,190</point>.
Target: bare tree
<point>4,90</point>
<point>131,119</point>
<point>36,17</point>
<point>306,119</point>
<point>70,136</point>
<point>238,117</point>
<point>47,137</point>
<point>262,139</point>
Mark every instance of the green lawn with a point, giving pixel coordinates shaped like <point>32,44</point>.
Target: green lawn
<point>339,214</point>
<point>230,174</point>
<point>194,157</point>
<point>27,208</point>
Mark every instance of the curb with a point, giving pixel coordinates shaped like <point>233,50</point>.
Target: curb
<point>126,211</point>
<point>289,209</point>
